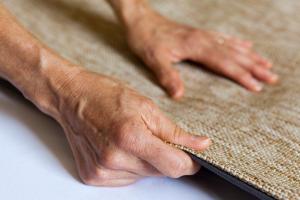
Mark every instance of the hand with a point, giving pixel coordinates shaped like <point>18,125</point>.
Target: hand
<point>160,42</point>
<point>117,136</point>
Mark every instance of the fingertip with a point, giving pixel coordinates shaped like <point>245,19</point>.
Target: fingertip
<point>253,85</point>
<point>268,64</point>
<point>265,75</point>
<point>177,93</point>
<point>172,84</point>
<point>248,44</point>
<point>265,62</point>
<point>262,61</point>
<point>200,143</point>
<point>258,88</point>
<point>205,143</point>
<point>175,89</point>
<point>274,79</point>
<point>196,168</point>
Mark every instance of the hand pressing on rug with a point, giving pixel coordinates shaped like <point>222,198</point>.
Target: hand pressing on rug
<point>160,42</point>
<point>117,136</point>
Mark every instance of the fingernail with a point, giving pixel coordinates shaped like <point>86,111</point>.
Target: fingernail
<point>207,141</point>
<point>274,78</point>
<point>176,92</point>
<point>256,85</point>
<point>175,95</point>
<point>268,63</point>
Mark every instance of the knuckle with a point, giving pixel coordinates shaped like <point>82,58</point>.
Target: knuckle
<point>122,133</point>
<point>179,169</point>
<point>193,34</point>
<point>101,175</point>
<point>110,160</point>
<point>95,178</point>
<point>147,104</point>
<point>124,136</point>
<point>88,181</point>
<point>154,53</point>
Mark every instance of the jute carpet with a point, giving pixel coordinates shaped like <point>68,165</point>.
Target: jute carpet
<point>256,136</point>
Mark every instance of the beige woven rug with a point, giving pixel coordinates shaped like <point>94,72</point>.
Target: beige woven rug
<point>256,136</point>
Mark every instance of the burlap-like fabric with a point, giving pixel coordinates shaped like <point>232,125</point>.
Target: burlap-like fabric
<point>256,136</point>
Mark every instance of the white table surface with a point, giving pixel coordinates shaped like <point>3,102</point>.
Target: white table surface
<point>36,164</point>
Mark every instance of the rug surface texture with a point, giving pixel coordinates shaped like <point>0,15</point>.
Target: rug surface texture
<point>256,136</point>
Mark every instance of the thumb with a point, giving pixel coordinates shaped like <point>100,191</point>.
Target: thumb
<point>169,79</point>
<point>166,130</point>
<point>179,136</point>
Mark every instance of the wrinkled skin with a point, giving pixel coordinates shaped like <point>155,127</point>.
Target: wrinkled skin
<point>160,42</point>
<point>116,134</point>
<point>125,136</point>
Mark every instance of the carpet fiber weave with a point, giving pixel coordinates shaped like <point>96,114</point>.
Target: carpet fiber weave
<point>256,136</point>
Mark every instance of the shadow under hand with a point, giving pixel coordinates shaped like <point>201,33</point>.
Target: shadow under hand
<point>217,187</point>
<point>45,128</point>
<point>96,24</point>
<point>51,135</point>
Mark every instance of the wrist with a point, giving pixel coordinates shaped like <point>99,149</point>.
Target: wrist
<point>40,77</point>
<point>30,66</point>
<point>53,73</point>
<point>130,11</point>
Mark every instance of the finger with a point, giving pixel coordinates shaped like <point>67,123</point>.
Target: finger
<point>165,129</point>
<point>264,74</point>
<point>227,66</point>
<point>114,183</point>
<point>170,132</point>
<point>168,78</point>
<point>219,35</point>
<point>244,47</point>
<point>260,60</point>
<point>99,175</point>
<point>239,48</point>
<point>247,52</point>
<point>120,160</point>
<point>241,76</point>
<point>260,72</point>
<point>170,161</point>
<point>232,39</point>
<point>92,173</point>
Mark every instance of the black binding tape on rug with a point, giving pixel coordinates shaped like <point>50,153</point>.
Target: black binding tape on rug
<point>232,179</point>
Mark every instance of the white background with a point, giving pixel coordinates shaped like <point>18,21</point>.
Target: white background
<point>36,164</point>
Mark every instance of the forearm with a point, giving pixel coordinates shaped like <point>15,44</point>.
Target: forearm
<point>30,66</point>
